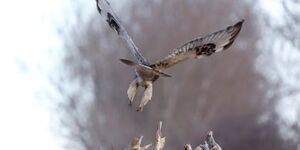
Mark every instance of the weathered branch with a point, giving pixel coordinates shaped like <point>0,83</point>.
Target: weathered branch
<point>209,144</point>
<point>159,143</point>
<point>212,144</point>
<point>136,144</point>
<point>159,140</point>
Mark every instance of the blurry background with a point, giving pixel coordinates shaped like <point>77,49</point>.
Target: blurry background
<point>64,88</point>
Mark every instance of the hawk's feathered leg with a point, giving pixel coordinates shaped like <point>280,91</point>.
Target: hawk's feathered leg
<point>146,97</point>
<point>131,92</point>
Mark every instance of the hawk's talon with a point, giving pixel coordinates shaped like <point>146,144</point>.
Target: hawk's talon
<point>140,109</point>
<point>130,103</point>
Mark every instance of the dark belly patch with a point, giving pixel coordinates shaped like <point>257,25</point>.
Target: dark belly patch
<point>155,78</point>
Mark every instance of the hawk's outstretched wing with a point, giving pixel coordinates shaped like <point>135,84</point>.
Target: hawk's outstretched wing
<point>106,11</point>
<point>201,46</point>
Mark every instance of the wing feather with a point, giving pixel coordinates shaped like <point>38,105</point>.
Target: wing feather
<point>107,12</point>
<point>201,46</point>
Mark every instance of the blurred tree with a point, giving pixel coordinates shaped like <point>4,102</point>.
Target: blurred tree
<point>291,30</point>
<point>280,51</point>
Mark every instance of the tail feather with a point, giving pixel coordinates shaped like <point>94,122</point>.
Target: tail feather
<point>128,62</point>
<point>162,74</point>
<point>131,63</point>
<point>157,72</point>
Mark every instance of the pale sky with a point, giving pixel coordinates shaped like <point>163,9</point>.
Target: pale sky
<point>31,49</point>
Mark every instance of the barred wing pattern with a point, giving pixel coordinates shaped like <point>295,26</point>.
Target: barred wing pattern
<point>201,46</point>
<point>106,11</point>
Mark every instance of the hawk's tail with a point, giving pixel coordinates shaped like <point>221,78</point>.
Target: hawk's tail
<point>131,63</point>
<point>128,62</point>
